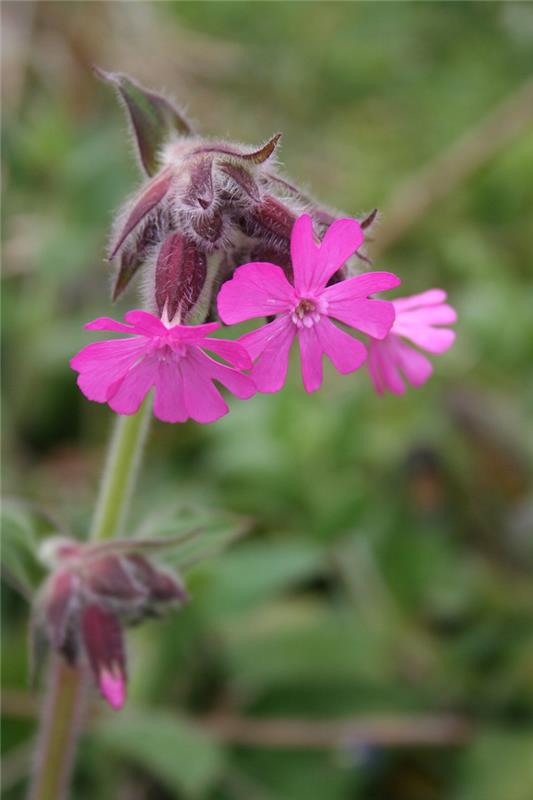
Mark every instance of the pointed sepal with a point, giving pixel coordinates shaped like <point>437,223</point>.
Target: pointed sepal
<point>263,153</point>
<point>145,202</point>
<point>153,118</point>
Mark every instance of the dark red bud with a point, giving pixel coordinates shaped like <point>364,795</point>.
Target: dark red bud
<point>153,118</point>
<point>161,586</point>
<point>148,199</point>
<point>270,217</point>
<point>180,275</point>
<point>109,576</point>
<point>102,638</point>
<point>243,179</point>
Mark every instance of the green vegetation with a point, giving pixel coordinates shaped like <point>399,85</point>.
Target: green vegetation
<point>387,574</point>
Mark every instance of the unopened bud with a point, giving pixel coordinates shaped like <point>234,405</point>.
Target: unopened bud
<point>102,639</point>
<point>180,275</point>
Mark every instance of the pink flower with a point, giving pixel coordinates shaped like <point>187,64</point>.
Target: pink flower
<point>419,319</point>
<point>170,358</point>
<point>260,289</point>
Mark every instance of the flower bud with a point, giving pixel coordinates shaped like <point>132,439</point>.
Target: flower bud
<point>102,640</point>
<point>180,275</point>
<point>92,592</point>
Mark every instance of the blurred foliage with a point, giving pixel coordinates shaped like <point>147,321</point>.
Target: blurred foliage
<point>388,570</point>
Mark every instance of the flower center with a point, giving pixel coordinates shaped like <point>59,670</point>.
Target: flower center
<point>305,313</point>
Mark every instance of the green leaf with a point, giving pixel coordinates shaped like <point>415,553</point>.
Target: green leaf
<point>153,118</point>
<point>170,748</point>
<point>22,529</point>
<point>498,766</point>
<point>258,571</point>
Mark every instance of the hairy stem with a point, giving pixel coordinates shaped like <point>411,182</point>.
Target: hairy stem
<point>61,718</point>
<point>62,711</point>
<point>120,472</point>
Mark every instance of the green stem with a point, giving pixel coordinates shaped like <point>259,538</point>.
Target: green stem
<point>120,472</point>
<point>62,711</point>
<point>61,718</point>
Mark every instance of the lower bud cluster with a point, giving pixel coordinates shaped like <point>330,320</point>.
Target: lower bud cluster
<point>92,592</point>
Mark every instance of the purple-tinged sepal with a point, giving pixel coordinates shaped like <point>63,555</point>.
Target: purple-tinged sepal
<point>153,119</point>
<point>92,592</point>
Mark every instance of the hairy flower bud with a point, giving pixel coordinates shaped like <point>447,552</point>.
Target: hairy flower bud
<point>224,202</point>
<point>180,275</point>
<point>92,591</point>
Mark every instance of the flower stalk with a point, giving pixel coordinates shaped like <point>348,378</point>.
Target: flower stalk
<point>61,720</point>
<point>63,709</point>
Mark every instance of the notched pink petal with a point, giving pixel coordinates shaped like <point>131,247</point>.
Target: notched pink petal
<point>108,324</point>
<point>431,297</point>
<point>341,240</point>
<point>269,347</point>
<point>233,352</point>
<point>415,366</point>
<point>311,356</point>
<point>257,289</point>
<point>434,340</point>
<point>144,323</point>
<point>126,396</point>
<point>345,353</point>
<point>361,286</point>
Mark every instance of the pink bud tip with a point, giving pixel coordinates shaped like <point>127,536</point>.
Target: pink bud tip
<point>113,689</point>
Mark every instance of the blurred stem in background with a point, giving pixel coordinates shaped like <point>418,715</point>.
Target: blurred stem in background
<point>62,713</point>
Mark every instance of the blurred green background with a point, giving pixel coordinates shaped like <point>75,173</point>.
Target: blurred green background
<point>386,582</point>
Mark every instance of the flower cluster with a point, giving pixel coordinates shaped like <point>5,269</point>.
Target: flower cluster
<point>221,234</point>
<point>171,357</point>
<point>91,592</point>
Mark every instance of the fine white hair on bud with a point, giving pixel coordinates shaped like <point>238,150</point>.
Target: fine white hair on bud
<point>225,201</point>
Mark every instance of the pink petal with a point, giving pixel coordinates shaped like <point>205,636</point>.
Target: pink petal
<point>313,266</point>
<point>361,286</point>
<point>102,364</point>
<point>232,352</point>
<point>113,688</point>
<point>203,401</point>
<point>434,340</point>
<point>383,367</point>
<point>145,323</point>
<point>373,317</point>
<point>193,333</point>
<point>442,314</point>
<point>258,289</point>
<point>169,403</point>
<point>430,298</point>
<point>238,384</point>
<point>108,324</point>
<point>346,302</point>
<point>415,366</point>
<point>311,355</point>
<point>304,251</point>
<point>270,345</point>
<point>345,353</point>
<point>126,396</point>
